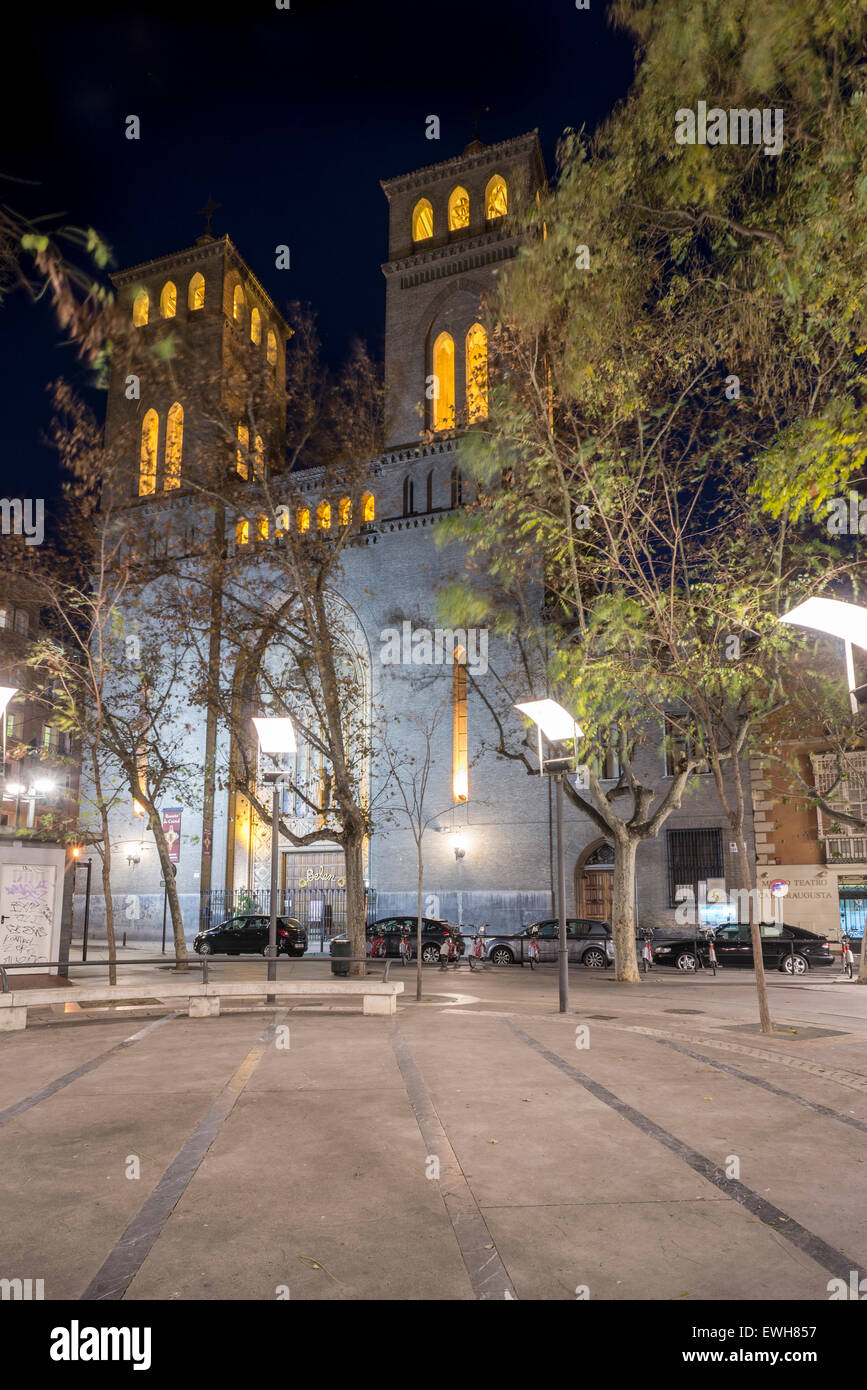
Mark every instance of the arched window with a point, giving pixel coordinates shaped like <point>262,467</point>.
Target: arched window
<point>242,531</point>
<point>262,528</point>
<point>256,327</point>
<point>344,512</point>
<point>368,508</point>
<point>174,445</point>
<point>496,198</point>
<point>258,457</point>
<point>457,487</point>
<point>196,292</point>
<point>147,470</point>
<point>169,300</point>
<point>239,304</point>
<point>422,220</point>
<point>459,209</point>
<point>429,499</point>
<point>271,350</point>
<point>408,497</point>
<point>460,758</point>
<point>242,462</point>
<point>323,515</point>
<point>141,308</point>
<point>444,382</point>
<point>303,518</point>
<point>477,373</point>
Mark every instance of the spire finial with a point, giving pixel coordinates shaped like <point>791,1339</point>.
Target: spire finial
<point>208,211</point>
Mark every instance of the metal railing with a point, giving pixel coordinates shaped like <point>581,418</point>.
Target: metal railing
<point>197,962</point>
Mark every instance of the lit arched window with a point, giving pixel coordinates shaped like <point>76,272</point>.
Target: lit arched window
<point>459,209</point>
<point>239,304</point>
<point>422,220</point>
<point>256,327</point>
<point>147,471</point>
<point>141,308</point>
<point>242,531</point>
<point>460,758</point>
<point>242,462</point>
<point>258,457</point>
<point>344,512</point>
<point>323,515</point>
<point>368,507</point>
<point>496,198</point>
<point>262,528</point>
<point>174,445</point>
<point>303,518</point>
<point>271,350</point>
<point>477,373</point>
<point>444,382</point>
<point>196,292</point>
<point>169,300</point>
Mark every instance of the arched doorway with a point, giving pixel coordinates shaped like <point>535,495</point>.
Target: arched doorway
<point>594,880</point>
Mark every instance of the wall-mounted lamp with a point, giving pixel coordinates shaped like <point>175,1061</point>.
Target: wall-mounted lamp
<point>131,857</point>
<point>460,846</point>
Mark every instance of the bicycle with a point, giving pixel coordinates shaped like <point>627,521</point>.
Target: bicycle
<point>848,957</point>
<point>533,952</point>
<point>477,954</point>
<point>707,934</point>
<point>405,948</point>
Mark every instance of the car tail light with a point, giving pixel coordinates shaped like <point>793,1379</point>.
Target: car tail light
<point>283,932</point>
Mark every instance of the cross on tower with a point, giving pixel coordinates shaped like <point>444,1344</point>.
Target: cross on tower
<point>208,211</point>
<point>476,114</point>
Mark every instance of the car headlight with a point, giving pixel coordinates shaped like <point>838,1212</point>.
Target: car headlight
<point>663,950</point>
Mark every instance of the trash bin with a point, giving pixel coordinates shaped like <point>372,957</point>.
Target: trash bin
<point>340,946</point>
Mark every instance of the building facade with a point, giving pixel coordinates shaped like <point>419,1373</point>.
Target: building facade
<point>489,836</point>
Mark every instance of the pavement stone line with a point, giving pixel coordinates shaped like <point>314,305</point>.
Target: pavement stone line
<point>831,1259</point>
<point>852,1079</point>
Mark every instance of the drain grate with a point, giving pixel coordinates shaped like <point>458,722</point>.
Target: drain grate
<point>683,1011</point>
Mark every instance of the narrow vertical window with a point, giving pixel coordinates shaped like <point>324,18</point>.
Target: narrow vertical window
<point>147,471</point>
<point>323,516</point>
<point>460,759</point>
<point>429,498</point>
<point>242,461</point>
<point>141,308</point>
<point>477,373</point>
<point>408,497</point>
<point>262,528</point>
<point>303,518</point>
<point>169,300</point>
<point>258,457</point>
<point>174,445</point>
<point>496,198</point>
<point>242,531</point>
<point>444,382</point>
<point>196,292</point>
<point>238,304</point>
<point>422,220</point>
<point>271,350</point>
<point>344,512</point>
<point>256,327</point>
<point>459,209</point>
<point>457,487</point>
<point>368,507</point>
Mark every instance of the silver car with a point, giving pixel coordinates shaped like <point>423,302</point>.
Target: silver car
<point>588,943</point>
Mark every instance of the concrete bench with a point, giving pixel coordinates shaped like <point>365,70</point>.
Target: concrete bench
<point>377,997</point>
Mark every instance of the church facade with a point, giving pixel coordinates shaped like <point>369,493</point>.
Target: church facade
<point>489,837</point>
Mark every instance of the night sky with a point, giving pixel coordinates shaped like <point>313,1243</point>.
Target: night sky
<point>288,119</point>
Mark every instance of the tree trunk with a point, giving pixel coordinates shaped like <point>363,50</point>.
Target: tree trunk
<point>106,869</point>
<point>356,916</point>
<point>418,924</point>
<point>623,911</point>
<point>755,936</point>
<point>172,892</point>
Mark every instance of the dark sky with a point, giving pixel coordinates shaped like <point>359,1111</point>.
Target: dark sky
<point>287,118</point>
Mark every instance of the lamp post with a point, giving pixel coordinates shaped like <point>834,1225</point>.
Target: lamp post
<point>276,736</point>
<point>845,620</point>
<point>557,725</point>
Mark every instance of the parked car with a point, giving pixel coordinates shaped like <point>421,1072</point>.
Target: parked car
<point>248,935</point>
<point>790,949</point>
<point>434,932</point>
<point>588,943</point>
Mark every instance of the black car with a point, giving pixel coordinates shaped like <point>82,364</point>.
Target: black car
<point>790,949</point>
<point>588,943</point>
<point>434,932</point>
<point>248,935</point>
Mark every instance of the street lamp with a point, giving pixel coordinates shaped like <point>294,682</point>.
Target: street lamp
<point>845,620</point>
<point>557,725</point>
<point>276,736</point>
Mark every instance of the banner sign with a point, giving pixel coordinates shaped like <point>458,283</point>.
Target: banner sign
<point>172,831</point>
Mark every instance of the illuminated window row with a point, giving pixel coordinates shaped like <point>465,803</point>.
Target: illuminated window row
<point>141,305</point>
<point>245,458</point>
<point>239,316</point>
<point>172,451</point>
<point>257,529</point>
<point>496,205</point>
<point>443,378</point>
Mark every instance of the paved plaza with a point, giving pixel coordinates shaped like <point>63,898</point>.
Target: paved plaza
<point>466,1149</point>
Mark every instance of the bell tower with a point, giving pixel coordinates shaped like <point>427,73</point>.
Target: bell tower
<point>450,226</point>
